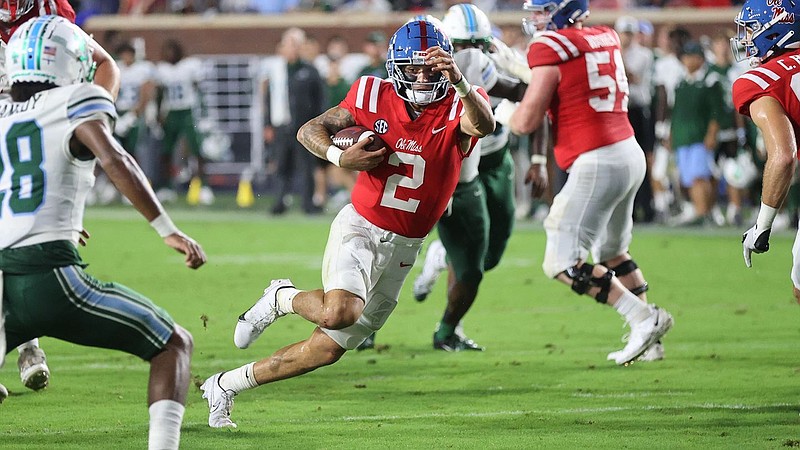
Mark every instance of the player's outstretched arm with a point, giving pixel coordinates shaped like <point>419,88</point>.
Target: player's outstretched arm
<point>315,135</point>
<point>129,179</point>
<point>529,115</point>
<point>779,140</point>
<point>107,74</point>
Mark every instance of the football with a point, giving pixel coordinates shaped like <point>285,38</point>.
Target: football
<point>348,136</point>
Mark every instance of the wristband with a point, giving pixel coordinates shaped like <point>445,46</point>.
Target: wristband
<point>334,155</point>
<point>766,215</point>
<point>462,87</point>
<point>662,129</point>
<point>163,225</point>
<point>538,159</point>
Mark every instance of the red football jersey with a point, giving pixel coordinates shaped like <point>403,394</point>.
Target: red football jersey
<point>40,8</point>
<point>408,192</point>
<point>778,78</point>
<point>590,107</point>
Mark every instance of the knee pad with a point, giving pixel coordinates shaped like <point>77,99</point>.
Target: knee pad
<point>626,267</point>
<point>582,280</point>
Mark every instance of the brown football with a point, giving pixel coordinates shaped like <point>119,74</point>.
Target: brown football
<point>346,137</point>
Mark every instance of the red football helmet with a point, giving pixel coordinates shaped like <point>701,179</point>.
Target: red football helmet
<point>12,10</point>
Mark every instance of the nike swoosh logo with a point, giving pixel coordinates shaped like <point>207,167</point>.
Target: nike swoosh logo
<point>437,130</point>
<point>402,264</point>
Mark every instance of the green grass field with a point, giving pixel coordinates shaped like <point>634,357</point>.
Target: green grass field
<point>731,378</point>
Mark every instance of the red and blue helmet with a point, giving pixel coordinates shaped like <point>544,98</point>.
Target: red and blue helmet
<point>764,27</point>
<point>553,14</point>
<point>408,46</point>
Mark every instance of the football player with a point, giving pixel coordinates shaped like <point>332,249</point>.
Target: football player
<point>578,76</point>
<point>57,125</point>
<point>430,119</point>
<point>475,230</point>
<point>32,363</point>
<point>769,33</point>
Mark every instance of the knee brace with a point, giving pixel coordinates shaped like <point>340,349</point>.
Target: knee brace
<point>582,280</point>
<point>625,268</point>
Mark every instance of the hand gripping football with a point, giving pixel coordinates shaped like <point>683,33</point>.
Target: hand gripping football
<point>348,136</point>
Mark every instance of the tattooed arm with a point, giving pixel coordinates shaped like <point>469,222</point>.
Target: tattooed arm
<point>316,134</point>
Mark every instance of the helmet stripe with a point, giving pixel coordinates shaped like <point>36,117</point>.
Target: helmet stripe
<point>423,35</point>
<point>469,17</point>
<point>33,40</point>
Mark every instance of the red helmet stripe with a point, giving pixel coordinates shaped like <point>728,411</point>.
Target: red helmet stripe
<point>423,31</point>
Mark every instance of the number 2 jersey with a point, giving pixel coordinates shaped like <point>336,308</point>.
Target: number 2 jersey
<point>408,191</point>
<point>589,109</point>
<point>776,78</point>
<point>43,188</point>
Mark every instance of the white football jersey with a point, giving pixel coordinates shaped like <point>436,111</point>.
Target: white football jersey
<point>43,187</point>
<point>178,81</point>
<point>131,79</point>
<point>480,70</point>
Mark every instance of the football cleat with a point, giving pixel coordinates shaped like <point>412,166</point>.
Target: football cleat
<point>255,320</point>
<point>644,334</point>
<point>220,402</point>
<point>456,343</point>
<point>435,264</point>
<point>369,343</point>
<point>654,353</point>
<point>3,393</point>
<point>33,370</point>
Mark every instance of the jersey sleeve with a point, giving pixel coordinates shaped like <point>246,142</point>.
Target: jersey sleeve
<point>90,102</point>
<point>748,88</point>
<point>551,48</point>
<point>357,93</point>
<point>477,67</point>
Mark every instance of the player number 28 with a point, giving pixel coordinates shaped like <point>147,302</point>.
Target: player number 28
<point>617,85</point>
<point>394,181</point>
<point>23,148</point>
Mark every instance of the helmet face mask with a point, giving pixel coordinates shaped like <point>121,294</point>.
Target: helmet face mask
<point>13,10</point>
<point>553,14</point>
<point>467,27</point>
<point>764,28</point>
<point>413,80</point>
<point>49,49</point>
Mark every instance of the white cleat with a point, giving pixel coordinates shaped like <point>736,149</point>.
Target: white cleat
<point>33,370</point>
<point>435,263</point>
<point>654,353</point>
<point>206,196</point>
<point>644,335</point>
<point>255,320</point>
<point>3,393</point>
<point>220,403</point>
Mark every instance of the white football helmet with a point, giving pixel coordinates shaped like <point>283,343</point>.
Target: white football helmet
<point>466,24</point>
<point>13,10</point>
<point>49,49</point>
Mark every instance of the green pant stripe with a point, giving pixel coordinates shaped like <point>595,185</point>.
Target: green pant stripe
<point>112,306</point>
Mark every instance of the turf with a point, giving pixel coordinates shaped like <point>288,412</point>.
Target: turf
<point>730,378</point>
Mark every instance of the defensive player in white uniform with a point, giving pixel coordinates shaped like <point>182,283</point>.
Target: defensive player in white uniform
<point>179,77</point>
<point>475,231</point>
<point>136,89</point>
<point>56,125</point>
<point>32,363</point>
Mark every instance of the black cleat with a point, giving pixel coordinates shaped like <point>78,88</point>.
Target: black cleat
<point>368,343</point>
<point>456,343</point>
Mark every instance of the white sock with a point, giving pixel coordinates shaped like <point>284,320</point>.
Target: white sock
<point>30,345</point>
<point>632,308</point>
<point>165,425</point>
<point>238,380</point>
<point>285,297</point>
